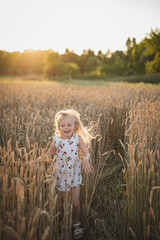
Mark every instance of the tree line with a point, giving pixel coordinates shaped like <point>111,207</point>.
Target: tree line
<point>138,59</point>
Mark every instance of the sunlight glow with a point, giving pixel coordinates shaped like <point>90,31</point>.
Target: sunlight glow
<point>76,25</point>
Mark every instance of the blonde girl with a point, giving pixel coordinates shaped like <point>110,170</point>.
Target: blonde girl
<point>70,136</point>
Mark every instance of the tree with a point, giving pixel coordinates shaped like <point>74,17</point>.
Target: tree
<point>128,45</point>
<point>53,66</point>
<point>70,69</point>
<point>91,64</point>
<point>139,58</point>
<point>69,56</point>
<point>100,55</point>
<point>152,50</point>
<point>15,56</point>
<point>134,42</point>
<point>5,63</point>
<point>154,65</point>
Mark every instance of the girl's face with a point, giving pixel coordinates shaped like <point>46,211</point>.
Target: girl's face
<point>67,127</point>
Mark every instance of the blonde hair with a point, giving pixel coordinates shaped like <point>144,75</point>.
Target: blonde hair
<point>79,128</point>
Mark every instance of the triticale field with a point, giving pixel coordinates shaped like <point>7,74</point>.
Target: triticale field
<point>120,199</point>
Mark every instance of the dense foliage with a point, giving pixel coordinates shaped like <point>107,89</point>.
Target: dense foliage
<point>138,59</point>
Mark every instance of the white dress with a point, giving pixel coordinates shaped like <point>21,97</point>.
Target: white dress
<point>69,166</point>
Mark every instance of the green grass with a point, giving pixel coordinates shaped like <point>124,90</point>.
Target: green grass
<point>116,81</point>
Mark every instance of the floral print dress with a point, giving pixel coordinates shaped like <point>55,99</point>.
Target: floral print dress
<point>69,166</point>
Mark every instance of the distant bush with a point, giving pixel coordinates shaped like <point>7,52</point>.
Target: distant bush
<point>147,78</point>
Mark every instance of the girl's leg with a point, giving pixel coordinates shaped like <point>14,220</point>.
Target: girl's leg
<point>62,201</point>
<point>64,226</point>
<point>76,204</point>
<point>78,231</point>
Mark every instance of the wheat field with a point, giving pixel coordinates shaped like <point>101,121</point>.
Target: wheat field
<point>120,200</point>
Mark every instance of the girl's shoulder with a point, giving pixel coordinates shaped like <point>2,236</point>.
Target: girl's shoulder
<point>76,137</point>
<point>55,137</point>
<point>56,140</point>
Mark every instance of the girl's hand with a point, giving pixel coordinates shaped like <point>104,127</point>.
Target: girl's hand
<point>86,166</point>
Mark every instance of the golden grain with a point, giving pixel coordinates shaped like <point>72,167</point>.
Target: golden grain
<point>126,123</point>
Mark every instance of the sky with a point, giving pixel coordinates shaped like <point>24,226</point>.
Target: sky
<point>75,24</point>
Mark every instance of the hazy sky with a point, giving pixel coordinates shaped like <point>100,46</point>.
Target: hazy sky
<point>75,24</point>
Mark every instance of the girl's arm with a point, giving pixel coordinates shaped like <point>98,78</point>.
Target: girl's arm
<point>47,155</point>
<point>86,166</point>
<point>51,150</point>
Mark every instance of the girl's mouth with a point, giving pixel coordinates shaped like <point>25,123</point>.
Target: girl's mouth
<point>67,132</point>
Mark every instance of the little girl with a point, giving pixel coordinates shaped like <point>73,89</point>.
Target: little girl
<point>71,135</point>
